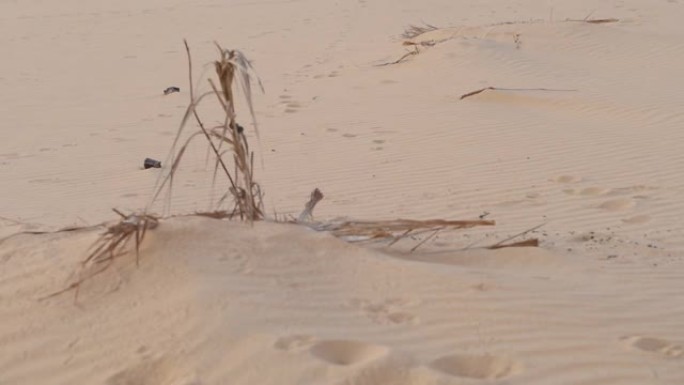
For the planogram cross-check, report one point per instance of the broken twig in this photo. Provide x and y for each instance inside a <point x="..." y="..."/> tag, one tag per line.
<point x="534" y="242"/>
<point x="415" y="51"/>
<point x="499" y="244"/>
<point x="307" y="213"/>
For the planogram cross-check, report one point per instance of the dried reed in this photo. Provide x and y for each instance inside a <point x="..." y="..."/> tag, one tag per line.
<point x="481" y="90"/>
<point x="393" y="228"/>
<point x="232" y="67"/>
<point x="232" y="70"/>
<point x="415" y="30"/>
<point x="111" y="245"/>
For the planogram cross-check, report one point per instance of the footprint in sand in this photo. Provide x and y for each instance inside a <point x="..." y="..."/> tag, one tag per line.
<point x="618" y="204"/>
<point x="294" y="342"/>
<point x="589" y="191"/>
<point x="637" y="219"/>
<point x="654" y="345"/>
<point x="481" y="367"/>
<point x="567" y="179"/>
<point x="388" y="81"/>
<point x="595" y="191"/>
<point x="387" y="312"/>
<point x="347" y="352"/>
<point x="292" y="107"/>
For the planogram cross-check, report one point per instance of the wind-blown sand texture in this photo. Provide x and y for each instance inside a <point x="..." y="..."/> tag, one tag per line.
<point x="217" y="302"/>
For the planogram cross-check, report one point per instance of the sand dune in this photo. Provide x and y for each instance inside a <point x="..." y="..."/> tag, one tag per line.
<point x="598" y="162"/>
<point x="219" y="302"/>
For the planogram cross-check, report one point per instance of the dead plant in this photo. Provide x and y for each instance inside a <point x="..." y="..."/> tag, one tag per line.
<point x="405" y="57"/>
<point x="111" y="245"/>
<point x="415" y="30"/>
<point x="232" y="70"/>
<point x="393" y="229"/>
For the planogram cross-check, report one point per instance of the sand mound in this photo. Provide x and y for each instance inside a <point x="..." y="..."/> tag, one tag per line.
<point x="222" y="302"/>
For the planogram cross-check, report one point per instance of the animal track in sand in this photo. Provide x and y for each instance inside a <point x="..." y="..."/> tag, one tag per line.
<point x="332" y="74"/>
<point x="637" y="219"/>
<point x="654" y="345"/>
<point x="294" y="342"/>
<point x="388" y="81"/>
<point x="387" y="312"/>
<point x="482" y="367"/>
<point x="378" y="145"/>
<point x="618" y="204"/>
<point x="292" y="107"/>
<point x="347" y="352"/>
<point x="567" y="179"/>
<point x="589" y="191"/>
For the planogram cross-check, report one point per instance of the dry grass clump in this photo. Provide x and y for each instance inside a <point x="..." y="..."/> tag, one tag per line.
<point x="111" y="245"/>
<point x="233" y="69"/>
<point x="416" y="30"/>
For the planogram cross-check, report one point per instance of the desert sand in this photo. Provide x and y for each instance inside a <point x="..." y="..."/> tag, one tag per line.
<point x="595" y="158"/>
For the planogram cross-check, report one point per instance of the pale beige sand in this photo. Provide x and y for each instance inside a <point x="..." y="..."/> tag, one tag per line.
<point x="222" y="303"/>
<point x="214" y="302"/>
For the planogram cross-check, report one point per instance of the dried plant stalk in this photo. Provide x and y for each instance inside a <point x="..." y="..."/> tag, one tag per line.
<point x="111" y="245"/>
<point x="232" y="70"/>
<point x="383" y="229"/>
<point x="414" y="30"/>
<point x="534" y="242"/>
<point x="481" y="90"/>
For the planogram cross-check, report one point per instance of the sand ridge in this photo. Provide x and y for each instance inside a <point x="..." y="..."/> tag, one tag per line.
<point x="222" y="302"/>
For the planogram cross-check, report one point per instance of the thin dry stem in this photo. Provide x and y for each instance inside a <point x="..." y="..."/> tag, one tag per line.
<point x="473" y="93"/>
<point x="414" y="30"/>
<point x="111" y="245"/>
<point x="231" y="67"/>
<point x="405" y="57"/>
